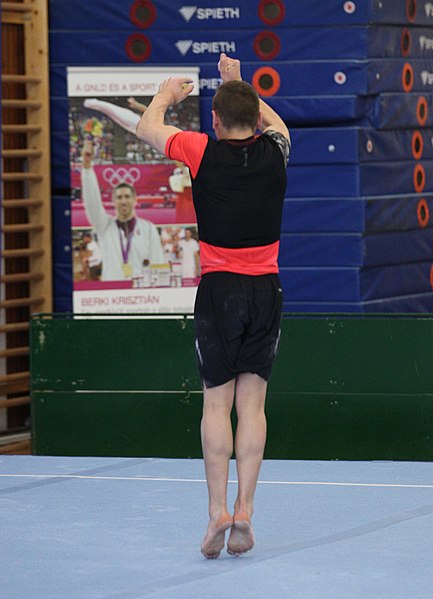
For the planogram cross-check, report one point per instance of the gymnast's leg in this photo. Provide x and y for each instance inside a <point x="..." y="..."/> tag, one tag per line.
<point x="249" y="448"/>
<point x="217" y="444"/>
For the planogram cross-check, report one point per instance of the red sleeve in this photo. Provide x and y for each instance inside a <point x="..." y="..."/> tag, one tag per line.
<point x="187" y="147"/>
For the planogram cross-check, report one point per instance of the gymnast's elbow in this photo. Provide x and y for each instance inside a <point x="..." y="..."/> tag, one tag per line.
<point x="144" y="129"/>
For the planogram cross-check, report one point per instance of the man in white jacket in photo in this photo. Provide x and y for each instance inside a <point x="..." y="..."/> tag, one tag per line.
<point x="128" y="243"/>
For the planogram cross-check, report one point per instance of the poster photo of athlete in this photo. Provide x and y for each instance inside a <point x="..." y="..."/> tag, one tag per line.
<point x="125" y="192"/>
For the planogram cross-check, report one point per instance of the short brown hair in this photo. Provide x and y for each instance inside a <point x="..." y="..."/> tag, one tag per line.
<point x="237" y="104"/>
<point x="127" y="185"/>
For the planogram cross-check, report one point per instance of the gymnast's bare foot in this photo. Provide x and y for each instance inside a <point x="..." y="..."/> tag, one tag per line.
<point x="214" y="539"/>
<point x="241" y="537"/>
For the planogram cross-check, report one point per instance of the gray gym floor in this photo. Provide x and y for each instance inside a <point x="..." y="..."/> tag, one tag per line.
<point x="125" y="528"/>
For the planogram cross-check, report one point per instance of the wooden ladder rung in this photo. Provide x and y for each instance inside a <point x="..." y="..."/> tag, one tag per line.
<point x="14" y="352"/>
<point x="16" y="401"/>
<point x="21" y="128"/>
<point x="22" y="301"/>
<point x="22" y="203"/>
<point x="9" y="78"/>
<point x="22" y="228"/>
<point x="21" y="153"/>
<point x="14" y="327"/>
<point x="16" y="7"/>
<point x="21" y="176"/>
<point x="22" y="253"/>
<point x="21" y="104"/>
<point x="22" y="277"/>
<point x="5" y="379"/>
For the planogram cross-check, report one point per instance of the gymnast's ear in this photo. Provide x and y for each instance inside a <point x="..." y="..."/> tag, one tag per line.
<point x="215" y="119"/>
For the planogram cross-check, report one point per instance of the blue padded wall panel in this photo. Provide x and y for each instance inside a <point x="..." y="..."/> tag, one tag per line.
<point x="320" y="284"/>
<point x="401" y="111"/>
<point x="343" y="249"/>
<point x="347" y="180"/>
<point x="343" y="284"/>
<point x="61" y="215"/>
<point x="353" y="145"/>
<point x="337" y="77"/>
<point x="58" y="85"/>
<point x="391" y="281"/>
<point x="62" y="292"/>
<point x="390" y="146"/>
<point x="422" y="302"/>
<point x="60" y="176"/>
<point x="398" y="213"/>
<point x="358" y="215"/>
<point x="327" y="215"/>
<point x="294" y="43"/>
<point x="213" y="14"/>
<point x="323" y="307"/>
<point x="59" y="153"/>
<point x="398" y="247"/>
<point x="62" y="250"/>
<point x="323" y="180"/>
<point x="59" y="114"/>
<point x="298" y="78"/>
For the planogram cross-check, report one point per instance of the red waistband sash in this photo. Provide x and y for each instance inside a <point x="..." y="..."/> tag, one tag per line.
<point x="261" y="260"/>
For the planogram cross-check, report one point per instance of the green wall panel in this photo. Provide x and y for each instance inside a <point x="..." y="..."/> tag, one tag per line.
<point x="349" y="427"/>
<point x="108" y="354"/>
<point x="343" y="387"/>
<point x="117" y="424"/>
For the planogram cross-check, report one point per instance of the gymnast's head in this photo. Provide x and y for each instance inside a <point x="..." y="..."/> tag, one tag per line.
<point x="235" y="107"/>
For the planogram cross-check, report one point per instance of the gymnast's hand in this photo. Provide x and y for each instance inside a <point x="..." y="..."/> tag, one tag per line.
<point x="229" y="68"/>
<point x="175" y="89"/>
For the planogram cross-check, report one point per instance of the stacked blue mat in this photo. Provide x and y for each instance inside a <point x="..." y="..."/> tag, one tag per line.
<point x="354" y="82"/>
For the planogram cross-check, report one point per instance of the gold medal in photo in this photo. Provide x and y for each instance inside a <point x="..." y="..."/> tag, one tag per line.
<point x="127" y="270"/>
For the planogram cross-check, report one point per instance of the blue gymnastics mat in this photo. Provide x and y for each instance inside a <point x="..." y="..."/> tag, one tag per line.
<point x="384" y="111"/>
<point x="338" y="145"/>
<point x="285" y="78"/>
<point x="337" y="77"/>
<point x="351" y="249"/>
<point x="292" y="43"/>
<point x="212" y="14"/>
<point x="357" y="215"/>
<point x="350" y="180"/>
<point x="354" y="284"/>
<point x="113" y="528"/>
<point x="418" y="303"/>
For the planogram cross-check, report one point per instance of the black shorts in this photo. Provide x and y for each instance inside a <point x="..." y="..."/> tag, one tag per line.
<point x="237" y="321"/>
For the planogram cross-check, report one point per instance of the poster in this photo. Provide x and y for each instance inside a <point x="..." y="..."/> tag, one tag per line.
<point x="134" y="232"/>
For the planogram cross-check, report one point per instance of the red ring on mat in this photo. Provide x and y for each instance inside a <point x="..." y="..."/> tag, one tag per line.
<point x="270" y="38"/>
<point x="140" y="6"/>
<point x="419" y="178"/>
<point x="431" y="276"/>
<point x="417" y="145"/>
<point x="277" y="9"/>
<point x="422" y="111"/>
<point x="423" y="213"/>
<point x="405" y="42"/>
<point x="407" y="77"/>
<point x="266" y="81"/>
<point x="138" y="47"/>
